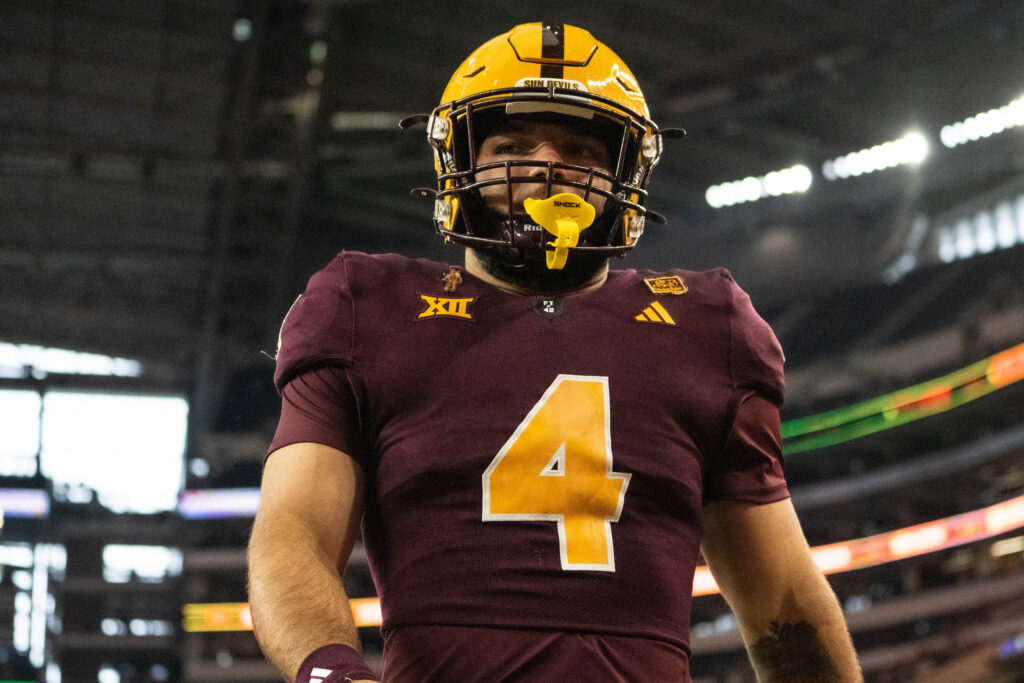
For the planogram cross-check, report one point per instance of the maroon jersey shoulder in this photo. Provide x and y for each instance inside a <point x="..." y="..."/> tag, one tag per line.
<point x="320" y="327"/>
<point x="702" y="289"/>
<point x="757" y="355"/>
<point x="756" y="358"/>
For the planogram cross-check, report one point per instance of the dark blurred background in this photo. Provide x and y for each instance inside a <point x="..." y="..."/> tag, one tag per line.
<point x="173" y="171"/>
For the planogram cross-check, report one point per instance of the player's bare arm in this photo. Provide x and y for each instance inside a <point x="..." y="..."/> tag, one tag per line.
<point x="298" y="551"/>
<point x="789" y="617"/>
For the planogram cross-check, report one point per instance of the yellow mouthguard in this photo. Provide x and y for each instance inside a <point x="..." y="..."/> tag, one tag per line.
<point x="564" y="215"/>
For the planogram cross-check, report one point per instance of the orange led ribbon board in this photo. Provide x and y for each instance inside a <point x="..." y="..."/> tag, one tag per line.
<point x="833" y="558"/>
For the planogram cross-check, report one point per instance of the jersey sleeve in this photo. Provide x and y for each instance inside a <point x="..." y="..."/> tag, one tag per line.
<point x="757" y="359"/>
<point x="749" y="468"/>
<point x="320" y="406"/>
<point x="319" y="328"/>
<point x="314" y="352"/>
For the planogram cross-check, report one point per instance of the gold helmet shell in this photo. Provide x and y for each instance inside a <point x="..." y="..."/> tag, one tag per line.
<point x="542" y="55"/>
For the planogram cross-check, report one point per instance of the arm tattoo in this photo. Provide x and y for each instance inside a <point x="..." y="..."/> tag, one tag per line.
<point x="793" y="653"/>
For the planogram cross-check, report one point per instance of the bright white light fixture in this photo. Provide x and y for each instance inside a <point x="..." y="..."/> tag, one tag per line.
<point x="151" y="627"/>
<point x="41" y="360"/>
<point x="1008" y="546"/>
<point x="128" y="449"/>
<point x="20" y="442"/>
<point x="22" y="621"/>
<point x="997" y="227"/>
<point x="108" y="674"/>
<point x="242" y="30"/>
<point x="912" y="148"/>
<point x="199" y="467"/>
<point x="22" y="580"/>
<point x="16" y="555"/>
<point x="786" y="181"/>
<point x="150" y="563"/>
<point x="1006" y="227"/>
<point x="984" y="125"/>
<point x="113" y="627"/>
<point x="318" y="52"/>
<point x="37" y="624"/>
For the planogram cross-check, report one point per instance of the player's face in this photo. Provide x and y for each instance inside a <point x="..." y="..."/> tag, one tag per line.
<point x="541" y="142"/>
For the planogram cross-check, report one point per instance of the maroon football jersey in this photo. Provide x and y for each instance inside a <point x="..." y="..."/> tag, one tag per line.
<point x="535" y="464"/>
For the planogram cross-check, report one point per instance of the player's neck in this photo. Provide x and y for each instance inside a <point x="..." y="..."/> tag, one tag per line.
<point x="523" y="282"/>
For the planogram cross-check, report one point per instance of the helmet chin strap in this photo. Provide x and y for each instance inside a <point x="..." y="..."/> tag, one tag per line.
<point x="580" y="271"/>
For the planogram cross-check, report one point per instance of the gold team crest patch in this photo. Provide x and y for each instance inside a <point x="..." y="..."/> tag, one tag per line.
<point x="440" y="306"/>
<point x="667" y="284"/>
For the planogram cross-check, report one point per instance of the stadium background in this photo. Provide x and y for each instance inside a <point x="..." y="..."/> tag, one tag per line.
<point x="172" y="171"/>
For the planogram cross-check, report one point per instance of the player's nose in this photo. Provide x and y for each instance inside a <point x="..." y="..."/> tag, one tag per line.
<point x="549" y="153"/>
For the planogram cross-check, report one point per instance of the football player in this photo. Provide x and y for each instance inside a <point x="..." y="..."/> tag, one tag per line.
<point x="537" y="448"/>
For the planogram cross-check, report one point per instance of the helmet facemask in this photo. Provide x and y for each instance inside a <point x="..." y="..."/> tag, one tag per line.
<point x="462" y="214"/>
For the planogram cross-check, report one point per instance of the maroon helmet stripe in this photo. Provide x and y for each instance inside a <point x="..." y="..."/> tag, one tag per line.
<point x="552" y="47"/>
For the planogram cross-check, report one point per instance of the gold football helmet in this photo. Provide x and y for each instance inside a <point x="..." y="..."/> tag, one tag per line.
<point x="558" y="73"/>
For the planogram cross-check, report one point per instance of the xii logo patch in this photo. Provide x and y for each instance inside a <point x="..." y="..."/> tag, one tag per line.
<point x="445" y="307"/>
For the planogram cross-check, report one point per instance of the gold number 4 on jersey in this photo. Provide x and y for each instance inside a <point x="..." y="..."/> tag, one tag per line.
<point x="557" y="466"/>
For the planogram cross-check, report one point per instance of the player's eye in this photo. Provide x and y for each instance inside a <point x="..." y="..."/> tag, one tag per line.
<point x="588" y="149"/>
<point x="510" y="148"/>
<point x="587" y="152"/>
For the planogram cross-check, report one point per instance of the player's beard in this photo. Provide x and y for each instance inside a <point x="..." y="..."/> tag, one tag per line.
<point x="580" y="269"/>
<point x="526" y="267"/>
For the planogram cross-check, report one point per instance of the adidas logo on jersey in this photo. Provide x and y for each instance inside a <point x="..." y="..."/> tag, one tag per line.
<point x="655" y="313"/>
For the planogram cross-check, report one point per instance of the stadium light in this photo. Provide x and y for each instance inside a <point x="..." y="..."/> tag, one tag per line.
<point x="777" y="183"/>
<point x="984" y="124"/>
<point x="912" y="148"/>
<point x="995" y="227"/>
<point x="15" y="359"/>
